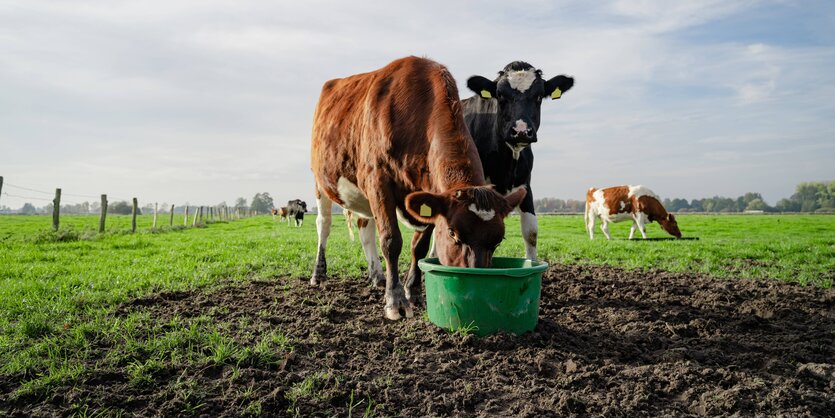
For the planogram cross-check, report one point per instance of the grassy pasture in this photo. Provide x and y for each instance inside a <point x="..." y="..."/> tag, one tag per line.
<point x="58" y="290"/>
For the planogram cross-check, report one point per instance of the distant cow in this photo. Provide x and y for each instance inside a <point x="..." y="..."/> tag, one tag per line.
<point x="620" y="203"/>
<point x="281" y="212"/>
<point x="295" y="211"/>
<point x="392" y="144"/>
<point x="503" y="119"/>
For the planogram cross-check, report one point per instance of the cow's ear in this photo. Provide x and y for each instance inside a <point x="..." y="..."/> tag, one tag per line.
<point x="425" y="206"/>
<point x="558" y="85"/>
<point x="670" y="217"/>
<point x="482" y="86"/>
<point x="515" y="199"/>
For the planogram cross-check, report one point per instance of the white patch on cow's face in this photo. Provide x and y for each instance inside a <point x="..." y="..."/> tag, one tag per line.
<point x="353" y="198"/>
<point x="638" y="191"/>
<point x="517" y="149"/>
<point x="521" y="80"/>
<point x="485" y="215"/>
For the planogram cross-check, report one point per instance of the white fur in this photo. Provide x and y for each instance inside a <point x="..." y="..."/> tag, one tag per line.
<point x="521" y="80"/>
<point x="353" y="198"/>
<point x="516" y="149"/>
<point x="530" y="228"/>
<point x="485" y="215"/>
<point x="640" y="190"/>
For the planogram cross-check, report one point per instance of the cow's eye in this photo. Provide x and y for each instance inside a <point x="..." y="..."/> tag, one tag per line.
<point x="453" y="236"/>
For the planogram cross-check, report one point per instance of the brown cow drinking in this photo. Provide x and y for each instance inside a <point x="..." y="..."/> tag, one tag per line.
<point x="392" y="144"/>
<point x="620" y="203"/>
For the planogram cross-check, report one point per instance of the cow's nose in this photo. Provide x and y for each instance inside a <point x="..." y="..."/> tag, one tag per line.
<point x="522" y="129"/>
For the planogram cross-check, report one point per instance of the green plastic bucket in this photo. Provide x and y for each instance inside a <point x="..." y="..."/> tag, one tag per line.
<point x="484" y="301"/>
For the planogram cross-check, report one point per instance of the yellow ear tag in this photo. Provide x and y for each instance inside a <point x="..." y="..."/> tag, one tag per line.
<point x="486" y="94"/>
<point x="425" y="210"/>
<point x="556" y="94"/>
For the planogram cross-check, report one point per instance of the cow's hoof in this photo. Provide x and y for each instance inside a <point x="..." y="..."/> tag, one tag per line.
<point x="393" y="314"/>
<point x="315" y="281"/>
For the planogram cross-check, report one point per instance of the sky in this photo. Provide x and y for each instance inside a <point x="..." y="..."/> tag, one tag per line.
<point x="207" y="101"/>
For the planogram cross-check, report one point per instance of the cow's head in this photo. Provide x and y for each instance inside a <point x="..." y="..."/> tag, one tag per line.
<point x="469" y="222"/>
<point x="670" y="225"/>
<point x="519" y="90"/>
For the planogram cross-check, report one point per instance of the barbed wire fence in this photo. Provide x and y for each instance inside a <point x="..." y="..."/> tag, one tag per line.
<point x="201" y="214"/>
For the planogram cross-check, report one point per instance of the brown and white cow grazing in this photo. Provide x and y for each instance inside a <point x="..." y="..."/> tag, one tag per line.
<point x="392" y="144"/>
<point x="619" y="203"/>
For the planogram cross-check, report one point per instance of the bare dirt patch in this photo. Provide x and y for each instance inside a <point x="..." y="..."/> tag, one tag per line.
<point x="609" y="342"/>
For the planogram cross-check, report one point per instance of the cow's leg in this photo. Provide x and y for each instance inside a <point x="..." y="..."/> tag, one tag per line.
<point x="641" y="221"/>
<point x="368" y="239"/>
<point x="604" y="226"/>
<point x="590" y="225"/>
<point x="391" y="243"/>
<point x="420" y="246"/>
<point x="323" y="229"/>
<point x="349" y="220"/>
<point x="530" y="226"/>
<point x="632" y="230"/>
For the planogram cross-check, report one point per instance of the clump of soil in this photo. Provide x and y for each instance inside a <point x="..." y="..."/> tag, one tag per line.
<point x="609" y="342"/>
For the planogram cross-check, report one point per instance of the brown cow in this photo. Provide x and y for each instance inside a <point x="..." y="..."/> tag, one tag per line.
<point x="392" y="144"/>
<point x="619" y="203"/>
<point x="281" y="212"/>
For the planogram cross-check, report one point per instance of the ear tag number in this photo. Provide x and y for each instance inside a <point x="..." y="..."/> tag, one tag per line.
<point x="486" y="94"/>
<point x="425" y="210"/>
<point x="556" y="94"/>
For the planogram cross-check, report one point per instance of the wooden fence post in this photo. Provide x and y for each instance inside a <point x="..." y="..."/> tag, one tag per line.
<point x="133" y="215"/>
<point x="185" y="217"/>
<point x="103" y="213"/>
<point x="155" y="216"/>
<point x="171" y="222"/>
<point x="56" y="209"/>
<point x="194" y="220"/>
<point x="1" y="185"/>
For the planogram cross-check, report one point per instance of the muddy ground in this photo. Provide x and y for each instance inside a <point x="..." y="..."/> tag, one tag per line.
<point x="609" y="342"/>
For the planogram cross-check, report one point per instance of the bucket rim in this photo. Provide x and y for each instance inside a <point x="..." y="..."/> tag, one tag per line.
<point x="433" y="264"/>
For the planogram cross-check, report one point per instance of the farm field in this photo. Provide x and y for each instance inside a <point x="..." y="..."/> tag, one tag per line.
<point x="219" y="320"/>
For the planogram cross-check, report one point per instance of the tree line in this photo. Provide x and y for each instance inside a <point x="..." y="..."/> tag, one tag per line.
<point x="810" y="197"/>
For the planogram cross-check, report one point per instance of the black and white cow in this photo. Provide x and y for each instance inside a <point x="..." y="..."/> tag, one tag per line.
<point x="295" y="211"/>
<point x="503" y="119"/>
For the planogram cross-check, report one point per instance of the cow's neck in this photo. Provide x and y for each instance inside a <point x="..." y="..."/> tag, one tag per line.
<point x="454" y="163"/>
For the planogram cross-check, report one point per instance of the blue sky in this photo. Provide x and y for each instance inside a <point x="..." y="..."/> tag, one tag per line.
<point x="207" y="101"/>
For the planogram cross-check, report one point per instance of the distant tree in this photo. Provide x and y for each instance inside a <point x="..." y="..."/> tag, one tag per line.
<point x="262" y="202"/>
<point x="28" y="209"/>
<point x="756" y="204"/>
<point x="122" y="208"/>
<point x="240" y="203"/>
<point x="676" y="205"/>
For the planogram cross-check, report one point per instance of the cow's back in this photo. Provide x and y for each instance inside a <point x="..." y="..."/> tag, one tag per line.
<point x="390" y="123"/>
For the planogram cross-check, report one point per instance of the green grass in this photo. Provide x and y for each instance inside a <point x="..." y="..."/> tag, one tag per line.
<point x="58" y="289"/>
